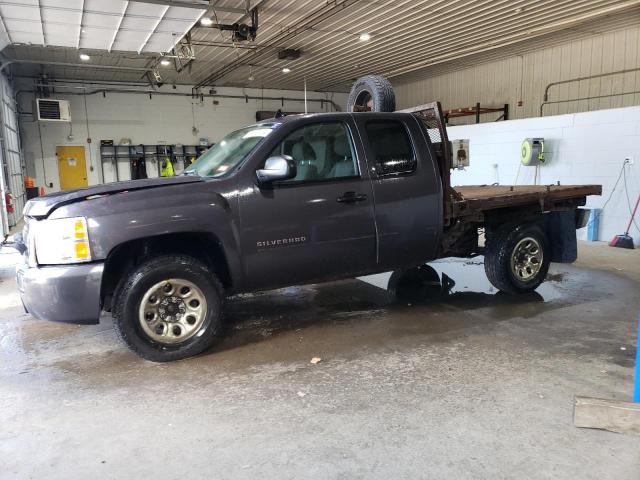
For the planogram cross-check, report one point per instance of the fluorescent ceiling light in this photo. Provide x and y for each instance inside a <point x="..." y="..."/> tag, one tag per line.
<point x="84" y="57"/>
<point x="365" y="37"/>
<point x="286" y="70"/>
<point x="165" y="62"/>
<point x="206" y="21"/>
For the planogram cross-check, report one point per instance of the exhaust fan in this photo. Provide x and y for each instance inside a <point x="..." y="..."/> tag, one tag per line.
<point x="49" y="110"/>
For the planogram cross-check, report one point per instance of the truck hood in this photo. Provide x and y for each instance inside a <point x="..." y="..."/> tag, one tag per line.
<point x="41" y="207"/>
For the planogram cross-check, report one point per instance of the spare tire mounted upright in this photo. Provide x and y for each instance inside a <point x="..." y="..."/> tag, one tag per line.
<point x="371" y="93"/>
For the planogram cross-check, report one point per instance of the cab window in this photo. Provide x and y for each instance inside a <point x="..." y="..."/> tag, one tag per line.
<point x="391" y="148"/>
<point x="321" y="152"/>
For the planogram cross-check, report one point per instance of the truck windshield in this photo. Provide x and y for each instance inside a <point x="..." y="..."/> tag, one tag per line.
<point x="230" y="151"/>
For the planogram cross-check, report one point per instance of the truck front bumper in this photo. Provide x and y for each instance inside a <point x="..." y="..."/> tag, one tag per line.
<point x="65" y="293"/>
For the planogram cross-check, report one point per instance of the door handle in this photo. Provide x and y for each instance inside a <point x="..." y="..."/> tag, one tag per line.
<point x="351" y="197"/>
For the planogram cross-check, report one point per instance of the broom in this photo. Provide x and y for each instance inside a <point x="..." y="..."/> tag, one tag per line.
<point x="625" y="240"/>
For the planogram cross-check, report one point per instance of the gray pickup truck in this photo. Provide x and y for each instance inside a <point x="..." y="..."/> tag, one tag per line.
<point x="293" y="200"/>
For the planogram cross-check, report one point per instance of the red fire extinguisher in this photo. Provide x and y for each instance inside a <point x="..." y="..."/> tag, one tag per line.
<point x="8" y="199"/>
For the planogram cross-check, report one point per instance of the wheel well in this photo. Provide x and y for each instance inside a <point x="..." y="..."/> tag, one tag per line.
<point x="203" y="246"/>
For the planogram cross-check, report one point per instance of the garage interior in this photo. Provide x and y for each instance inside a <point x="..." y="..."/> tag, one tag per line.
<point x="349" y="378"/>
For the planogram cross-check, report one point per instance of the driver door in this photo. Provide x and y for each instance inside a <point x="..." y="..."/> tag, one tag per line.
<point x="318" y="225"/>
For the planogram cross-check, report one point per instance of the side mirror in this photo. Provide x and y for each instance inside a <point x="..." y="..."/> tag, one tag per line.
<point x="280" y="167"/>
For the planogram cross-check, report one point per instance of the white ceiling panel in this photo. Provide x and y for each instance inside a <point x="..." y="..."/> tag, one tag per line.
<point x="100" y="21"/>
<point x="70" y="17"/>
<point x="160" y="42"/>
<point x="29" y="12"/>
<point x="28" y="38"/>
<point x="67" y="4"/>
<point x="105" y="6"/>
<point x="106" y="24"/>
<point x="96" y="38"/>
<point x="128" y="41"/>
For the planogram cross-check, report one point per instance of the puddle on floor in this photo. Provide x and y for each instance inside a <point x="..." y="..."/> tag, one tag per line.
<point x="431" y="301"/>
<point x="448" y="277"/>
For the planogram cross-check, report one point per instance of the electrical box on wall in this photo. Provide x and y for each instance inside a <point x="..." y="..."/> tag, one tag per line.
<point x="50" y="110"/>
<point x="460" y="153"/>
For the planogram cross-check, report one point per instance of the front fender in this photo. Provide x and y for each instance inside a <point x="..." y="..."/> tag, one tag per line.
<point x="116" y="219"/>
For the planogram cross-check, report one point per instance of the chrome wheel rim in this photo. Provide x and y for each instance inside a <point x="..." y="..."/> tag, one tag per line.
<point x="172" y="311"/>
<point x="526" y="260"/>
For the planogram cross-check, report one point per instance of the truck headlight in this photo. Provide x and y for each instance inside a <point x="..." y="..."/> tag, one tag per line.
<point x="65" y="240"/>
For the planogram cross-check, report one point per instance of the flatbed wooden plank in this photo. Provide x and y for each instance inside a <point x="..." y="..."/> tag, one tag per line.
<point x="486" y="197"/>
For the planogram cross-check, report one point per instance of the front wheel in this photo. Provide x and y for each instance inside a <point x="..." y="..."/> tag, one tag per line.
<point x="168" y="308"/>
<point x="517" y="258"/>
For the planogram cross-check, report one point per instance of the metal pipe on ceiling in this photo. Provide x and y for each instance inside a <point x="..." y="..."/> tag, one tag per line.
<point x="335" y="106"/>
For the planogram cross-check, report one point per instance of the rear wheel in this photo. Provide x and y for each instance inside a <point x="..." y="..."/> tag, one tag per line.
<point x="517" y="258"/>
<point x="168" y="308"/>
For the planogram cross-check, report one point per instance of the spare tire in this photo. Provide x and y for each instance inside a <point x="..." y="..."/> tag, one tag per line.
<point x="371" y="93"/>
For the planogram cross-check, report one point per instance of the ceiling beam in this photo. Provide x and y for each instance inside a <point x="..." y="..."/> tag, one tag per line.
<point x="80" y="65"/>
<point x="81" y="20"/>
<point x="197" y="5"/>
<point x="124" y="12"/>
<point x="44" y="38"/>
<point x="4" y="30"/>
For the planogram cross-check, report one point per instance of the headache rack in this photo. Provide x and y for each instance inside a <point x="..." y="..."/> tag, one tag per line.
<point x="430" y="114"/>
<point x="469" y="203"/>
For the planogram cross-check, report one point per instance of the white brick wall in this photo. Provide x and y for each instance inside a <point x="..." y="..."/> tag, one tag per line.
<point x="581" y="148"/>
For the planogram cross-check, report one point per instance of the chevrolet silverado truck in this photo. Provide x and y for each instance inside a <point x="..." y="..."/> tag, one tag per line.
<point x="293" y="200"/>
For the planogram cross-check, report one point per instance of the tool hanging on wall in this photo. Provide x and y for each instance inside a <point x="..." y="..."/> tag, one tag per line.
<point x="167" y="168"/>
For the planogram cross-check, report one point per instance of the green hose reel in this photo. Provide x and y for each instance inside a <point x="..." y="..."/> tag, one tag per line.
<point x="532" y="152"/>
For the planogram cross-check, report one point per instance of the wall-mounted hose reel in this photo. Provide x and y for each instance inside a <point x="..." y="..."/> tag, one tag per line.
<point x="532" y="152"/>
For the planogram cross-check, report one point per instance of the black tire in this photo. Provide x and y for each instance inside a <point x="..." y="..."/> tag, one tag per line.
<point x="130" y="292"/>
<point x="501" y="249"/>
<point x="372" y="87"/>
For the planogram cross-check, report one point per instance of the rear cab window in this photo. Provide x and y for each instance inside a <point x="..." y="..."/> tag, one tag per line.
<point x="391" y="148"/>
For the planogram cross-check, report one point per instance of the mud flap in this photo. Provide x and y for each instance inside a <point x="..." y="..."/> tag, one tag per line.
<point x="560" y="228"/>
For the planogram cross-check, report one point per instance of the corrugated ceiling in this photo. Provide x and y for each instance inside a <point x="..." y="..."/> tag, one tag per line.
<point x="407" y="37"/>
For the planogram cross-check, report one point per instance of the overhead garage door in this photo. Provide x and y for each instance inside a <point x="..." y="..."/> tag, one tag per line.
<point x="10" y="155"/>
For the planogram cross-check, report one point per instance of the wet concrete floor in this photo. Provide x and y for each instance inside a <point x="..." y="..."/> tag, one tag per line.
<point x="455" y="380"/>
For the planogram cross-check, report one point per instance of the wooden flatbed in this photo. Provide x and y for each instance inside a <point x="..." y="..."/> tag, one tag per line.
<point x="475" y="198"/>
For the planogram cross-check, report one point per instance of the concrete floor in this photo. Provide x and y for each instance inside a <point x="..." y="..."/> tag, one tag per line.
<point x="472" y="384"/>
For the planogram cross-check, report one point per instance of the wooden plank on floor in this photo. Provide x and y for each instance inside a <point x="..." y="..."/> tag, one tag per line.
<point x="612" y="415"/>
